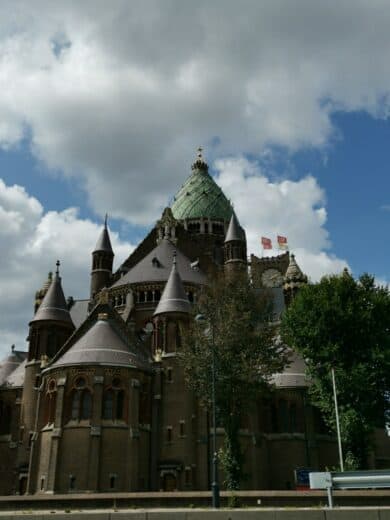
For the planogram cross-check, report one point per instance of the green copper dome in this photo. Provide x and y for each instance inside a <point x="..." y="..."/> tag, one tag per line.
<point x="200" y="196"/>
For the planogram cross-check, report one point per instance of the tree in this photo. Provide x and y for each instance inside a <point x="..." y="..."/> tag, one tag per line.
<point x="344" y="323"/>
<point x="239" y="329"/>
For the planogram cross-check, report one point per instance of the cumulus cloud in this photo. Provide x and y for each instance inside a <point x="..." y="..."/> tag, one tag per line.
<point x="31" y="240"/>
<point x="120" y="95"/>
<point x="295" y="209"/>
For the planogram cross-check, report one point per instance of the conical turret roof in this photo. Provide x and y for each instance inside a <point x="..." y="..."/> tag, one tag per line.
<point x="53" y="306"/>
<point x="234" y="231"/>
<point x="173" y="298"/>
<point x="104" y="242"/>
<point x="294" y="273"/>
<point x="200" y="196"/>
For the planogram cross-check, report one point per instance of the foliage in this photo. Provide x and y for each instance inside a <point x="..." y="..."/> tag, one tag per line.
<point x="344" y="323"/>
<point x="237" y="327"/>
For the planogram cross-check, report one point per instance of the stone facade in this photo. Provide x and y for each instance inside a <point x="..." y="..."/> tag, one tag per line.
<point x="99" y="402"/>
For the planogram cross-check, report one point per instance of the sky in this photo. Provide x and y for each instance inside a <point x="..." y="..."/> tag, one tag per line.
<point x="103" y="105"/>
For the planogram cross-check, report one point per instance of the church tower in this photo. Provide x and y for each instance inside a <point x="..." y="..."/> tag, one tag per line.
<point x="234" y="247"/>
<point x="169" y="412"/>
<point x="102" y="261"/>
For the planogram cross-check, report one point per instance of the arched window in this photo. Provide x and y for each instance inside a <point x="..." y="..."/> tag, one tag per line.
<point x="113" y="402"/>
<point x="120" y="396"/>
<point x="75" y="404"/>
<point x="293" y="418"/>
<point x="80" y="401"/>
<point x="5" y="418"/>
<point x="50" y="403"/>
<point x="86" y="405"/>
<point x="283" y="416"/>
<point x="108" y="404"/>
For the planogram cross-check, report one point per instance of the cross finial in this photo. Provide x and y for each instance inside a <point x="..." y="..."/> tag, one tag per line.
<point x="58" y="268"/>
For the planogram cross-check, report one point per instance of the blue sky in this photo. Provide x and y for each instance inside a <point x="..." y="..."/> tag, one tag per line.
<point x="103" y="108"/>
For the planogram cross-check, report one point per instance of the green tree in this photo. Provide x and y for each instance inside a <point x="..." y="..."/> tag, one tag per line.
<point x="238" y="327"/>
<point x="344" y="323"/>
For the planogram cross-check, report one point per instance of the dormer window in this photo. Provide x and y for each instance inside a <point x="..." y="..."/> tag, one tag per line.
<point x="156" y="262"/>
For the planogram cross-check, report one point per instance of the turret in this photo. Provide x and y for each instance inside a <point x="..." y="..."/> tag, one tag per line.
<point x="172" y="309"/>
<point x="102" y="261"/>
<point x="235" y="247"/>
<point x="293" y="280"/>
<point x="50" y="327"/>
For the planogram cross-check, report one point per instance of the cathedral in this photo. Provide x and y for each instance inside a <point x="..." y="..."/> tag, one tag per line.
<point x="98" y="403"/>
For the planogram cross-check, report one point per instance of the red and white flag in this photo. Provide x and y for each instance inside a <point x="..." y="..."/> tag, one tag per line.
<point x="282" y="242"/>
<point x="266" y="243"/>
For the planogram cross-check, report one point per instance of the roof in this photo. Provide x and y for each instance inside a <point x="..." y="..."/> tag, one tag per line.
<point x="234" y="231"/>
<point x="104" y="242"/>
<point x="156" y="267"/>
<point x="53" y="306"/>
<point x="294" y="273"/>
<point x="79" y="312"/>
<point x="102" y="344"/>
<point x="10" y="363"/>
<point x="173" y="298"/>
<point x="200" y="196"/>
<point x="294" y="375"/>
<point x="16" y="378"/>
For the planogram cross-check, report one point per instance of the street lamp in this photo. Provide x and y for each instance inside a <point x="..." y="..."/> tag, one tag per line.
<point x="214" y="485"/>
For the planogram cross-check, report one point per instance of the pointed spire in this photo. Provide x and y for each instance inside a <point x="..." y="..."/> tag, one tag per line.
<point x="199" y="163"/>
<point x="234" y="231"/>
<point x="173" y="298"/>
<point x="294" y="273"/>
<point x="53" y="306"/>
<point x="104" y="242"/>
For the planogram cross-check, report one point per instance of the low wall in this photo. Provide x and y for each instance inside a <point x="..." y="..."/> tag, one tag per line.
<point x="42" y="502"/>
<point x="243" y="514"/>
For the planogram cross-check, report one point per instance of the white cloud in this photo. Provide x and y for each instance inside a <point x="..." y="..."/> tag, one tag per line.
<point x="295" y="209"/>
<point x="31" y="241"/>
<point x="121" y="94"/>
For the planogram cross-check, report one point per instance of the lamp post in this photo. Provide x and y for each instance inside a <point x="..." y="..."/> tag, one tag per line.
<point x="214" y="484"/>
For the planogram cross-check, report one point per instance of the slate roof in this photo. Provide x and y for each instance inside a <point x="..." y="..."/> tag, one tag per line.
<point x="234" y="231"/>
<point x="79" y="312"/>
<point x="104" y="242"/>
<point x="156" y="267"/>
<point x="16" y="378"/>
<point x="53" y="306"/>
<point x="100" y="345"/>
<point x="174" y="297"/>
<point x="294" y="375"/>
<point x="10" y="363"/>
<point x="200" y="196"/>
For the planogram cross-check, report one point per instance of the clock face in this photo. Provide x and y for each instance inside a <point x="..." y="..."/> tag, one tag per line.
<point x="272" y="278"/>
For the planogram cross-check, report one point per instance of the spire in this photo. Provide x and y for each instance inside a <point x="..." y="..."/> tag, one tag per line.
<point x="53" y="306"/>
<point x="234" y="231"/>
<point x="173" y="298"/>
<point x="294" y="275"/>
<point x="104" y="242"/>
<point x="199" y="163"/>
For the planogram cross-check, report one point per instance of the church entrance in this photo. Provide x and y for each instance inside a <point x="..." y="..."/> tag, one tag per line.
<point x="22" y="484"/>
<point x="170" y="483"/>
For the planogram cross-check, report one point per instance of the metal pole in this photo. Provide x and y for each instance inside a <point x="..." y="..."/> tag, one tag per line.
<point x="337" y="421"/>
<point x="330" y="497"/>
<point x="214" y="485"/>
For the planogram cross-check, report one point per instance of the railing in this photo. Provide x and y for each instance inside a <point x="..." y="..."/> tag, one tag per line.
<point x="349" y="480"/>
